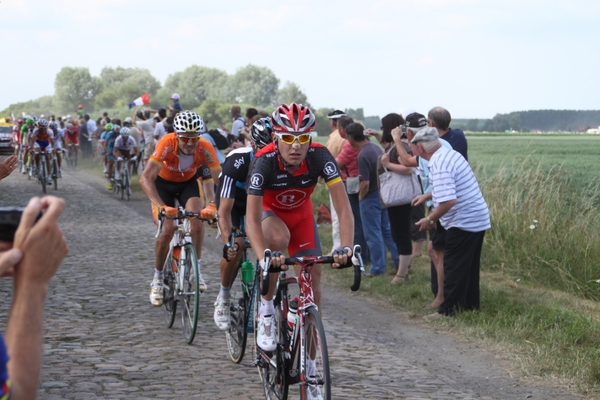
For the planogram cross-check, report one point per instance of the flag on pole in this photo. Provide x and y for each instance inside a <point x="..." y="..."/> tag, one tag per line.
<point x="140" y="101"/>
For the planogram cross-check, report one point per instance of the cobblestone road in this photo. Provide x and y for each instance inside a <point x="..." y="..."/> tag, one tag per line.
<point x="103" y="340"/>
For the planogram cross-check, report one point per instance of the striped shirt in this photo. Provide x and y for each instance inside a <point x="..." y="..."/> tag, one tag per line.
<point x="451" y="178"/>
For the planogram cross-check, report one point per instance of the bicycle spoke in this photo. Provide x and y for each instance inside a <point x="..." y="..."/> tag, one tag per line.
<point x="317" y="378"/>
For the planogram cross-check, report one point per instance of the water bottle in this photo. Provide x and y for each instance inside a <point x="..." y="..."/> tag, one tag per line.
<point x="292" y="315"/>
<point x="247" y="272"/>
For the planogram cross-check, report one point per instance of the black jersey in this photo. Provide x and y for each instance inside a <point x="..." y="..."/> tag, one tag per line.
<point x="232" y="182"/>
<point x="284" y="191"/>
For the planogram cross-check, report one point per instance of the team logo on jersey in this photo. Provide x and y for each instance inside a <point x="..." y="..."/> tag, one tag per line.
<point x="256" y="181"/>
<point x="238" y="163"/>
<point x="291" y="198"/>
<point x="329" y="169"/>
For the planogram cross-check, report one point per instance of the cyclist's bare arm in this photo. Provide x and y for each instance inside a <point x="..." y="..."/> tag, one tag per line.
<point x="224" y="214"/>
<point x="346" y="218"/>
<point x="137" y="152"/>
<point x="117" y="152"/>
<point x="215" y="172"/>
<point x="147" y="182"/>
<point x="208" y="187"/>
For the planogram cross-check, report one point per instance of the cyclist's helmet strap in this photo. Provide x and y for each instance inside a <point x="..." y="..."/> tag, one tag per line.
<point x="293" y="118"/>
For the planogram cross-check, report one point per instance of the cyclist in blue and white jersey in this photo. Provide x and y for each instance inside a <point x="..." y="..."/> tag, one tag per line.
<point x="122" y="149"/>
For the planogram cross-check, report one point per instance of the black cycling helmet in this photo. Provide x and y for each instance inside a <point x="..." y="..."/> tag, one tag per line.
<point x="260" y="132"/>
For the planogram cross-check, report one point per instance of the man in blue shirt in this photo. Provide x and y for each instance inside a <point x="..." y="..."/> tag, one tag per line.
<point x="176" y="107"/>
<point x="440" y="118"/>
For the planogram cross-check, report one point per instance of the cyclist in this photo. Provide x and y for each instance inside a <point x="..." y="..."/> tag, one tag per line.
<point x="122" y="150"/>
<point x="26" y="129"/>
<point x="59" y="136"/>
<point x="231" y="206"/>
<point x="102" y="141"/>
<point x="72" y="138"/>
<point x="172" y="174"/>
<point x="109" y="145"/>
<point x="279" y="211"/>
<point x="17" y="135"/>
<point x="42" y="139"/>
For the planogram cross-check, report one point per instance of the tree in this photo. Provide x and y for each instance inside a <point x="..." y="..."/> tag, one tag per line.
<point x="254" y="85"/>
<point x="215" y="113"/>
<point x="356" y="115"/>
<point x="124" y="85"/>
<point x="194" y="85"/>
<point x="74" y="86"/>
<point x="291" y="93"/>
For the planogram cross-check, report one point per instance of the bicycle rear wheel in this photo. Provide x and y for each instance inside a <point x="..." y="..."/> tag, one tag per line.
<point x="237" y="335"/>
<point x="272" y="372"/>
<point x="169" y="302"/>
<point x="316" y="349"/>
<point x="55" y="173"/>
<point x="42" y="172"/>
<point x="190" y="299"/>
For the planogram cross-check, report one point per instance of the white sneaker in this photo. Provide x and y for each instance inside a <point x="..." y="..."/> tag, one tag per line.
<point x="313" y="393"/>
<point x="221" y="315"/>
<point x="265" y="338"/>
<point x="201" y="283"/>
<point x="156" y="292"/>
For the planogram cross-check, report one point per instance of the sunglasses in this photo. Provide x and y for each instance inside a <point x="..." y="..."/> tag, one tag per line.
<point x="187" y="139"/>
<point x="290" y="139"/>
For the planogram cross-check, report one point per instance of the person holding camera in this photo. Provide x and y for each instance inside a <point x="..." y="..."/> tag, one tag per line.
<point x="31" y="258"/>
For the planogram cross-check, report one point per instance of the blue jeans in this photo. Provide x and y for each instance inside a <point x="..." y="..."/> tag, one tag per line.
<point x="359" y="235"/>
<point x="377" y="233"/>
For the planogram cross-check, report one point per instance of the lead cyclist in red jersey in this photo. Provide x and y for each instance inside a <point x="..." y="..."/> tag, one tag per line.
<point x="279" y="211"/>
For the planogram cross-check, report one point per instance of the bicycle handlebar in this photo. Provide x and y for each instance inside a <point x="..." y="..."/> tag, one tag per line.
<point x="356" y="262"/>
<point x="181" y="213"/>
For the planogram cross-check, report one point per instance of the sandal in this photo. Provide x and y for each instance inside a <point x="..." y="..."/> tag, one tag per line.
<point x="399" y="278"/>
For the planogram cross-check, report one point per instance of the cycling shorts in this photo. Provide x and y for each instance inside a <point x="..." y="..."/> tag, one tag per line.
<point x="73" y="139"/>
<point x="169" y="191"/>
<point x="304" y="236"/>
<point x="44" y="145"/>
<point x="110" y="157"/>
<point x="125" y="153"/>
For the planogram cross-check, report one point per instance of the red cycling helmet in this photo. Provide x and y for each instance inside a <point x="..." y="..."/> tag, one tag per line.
<point x="293" y="118"/>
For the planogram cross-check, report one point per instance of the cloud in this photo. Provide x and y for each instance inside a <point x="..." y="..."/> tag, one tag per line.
<point x="425" y="61"/>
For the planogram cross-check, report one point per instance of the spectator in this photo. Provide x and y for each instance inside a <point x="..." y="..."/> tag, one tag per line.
<point x="414" y="123"/>
<point x="159" y="119"/>
<point x="176" y="107"/>
<point x="84" y="137"/>
<point x="80" y="111"/>
<point x="377" y="231"/>
<point x="334" y="145"/>
<point x="238" y="124"/>
<point x="105" y="118"/>
<point x="32" y="259"/>
<point x="461" y="209"/>
<point x="250" y="113"/>
<point x="399" y="216"/>
<point x="440" y="118"/>
<point x="347" y="162"/>
<point x="141" y="119"/>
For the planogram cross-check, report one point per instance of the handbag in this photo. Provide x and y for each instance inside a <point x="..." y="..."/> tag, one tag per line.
<point x="397" y="189"/>
<point x="352" y="185"/>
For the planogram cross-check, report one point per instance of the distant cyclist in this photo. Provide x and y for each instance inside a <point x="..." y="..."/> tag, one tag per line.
<point x="171" y="174"/>
<point x="59" y="136"/>
<point x="122" y="151"/>
<point x="26" y="129"/>
<point x="72" y="137"/>
<point x="279" y="211"/>
<point x="42" y="139"/>
<point x="231" y="206"/>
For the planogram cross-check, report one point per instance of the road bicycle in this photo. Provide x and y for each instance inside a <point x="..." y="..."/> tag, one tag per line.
<point x="243" y="291"/>
<point x="299" y="330"/>
<point x="181" y="273"/>
<point x="40" y="169"/>
<point x="54" y="171"/>
<point x="123" y="184"/>
<point x="72" y="156"/>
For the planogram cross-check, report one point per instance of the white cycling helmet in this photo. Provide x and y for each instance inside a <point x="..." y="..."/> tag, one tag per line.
<point x="188" y="121"/>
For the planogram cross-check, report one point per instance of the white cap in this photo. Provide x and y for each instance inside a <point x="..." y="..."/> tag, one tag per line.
<point x="174" y="96"/>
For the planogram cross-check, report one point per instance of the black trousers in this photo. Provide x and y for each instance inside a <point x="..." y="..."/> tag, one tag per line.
<point x="462" y="256"/>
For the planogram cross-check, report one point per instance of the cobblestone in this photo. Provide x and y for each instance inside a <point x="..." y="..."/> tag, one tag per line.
<point x="103" y="340"/>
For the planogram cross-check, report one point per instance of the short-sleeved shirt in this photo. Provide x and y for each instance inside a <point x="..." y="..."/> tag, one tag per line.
<point x="146" y="128"/>
<point x="284" y="191"/>
<point x="43" y="136"/>
<point x="235" y="170"/>
<point x="166" y="154"/>
<point x="458" y="141"/>
<point x="367" y="165"/>
<point x="159" y="130"/>
<point x="237" y="124"/>
<point x="334" y="143"/>
<point x="122" y="144"/>
<point x="177" y="106"/>
<point x="349" y="157"/>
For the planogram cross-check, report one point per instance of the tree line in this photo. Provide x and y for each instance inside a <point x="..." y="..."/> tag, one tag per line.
<point x="533" y="120"/>
<point x="209" y="91"/>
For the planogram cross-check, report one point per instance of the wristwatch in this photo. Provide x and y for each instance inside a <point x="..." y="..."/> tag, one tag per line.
<point x="431" y="222"/>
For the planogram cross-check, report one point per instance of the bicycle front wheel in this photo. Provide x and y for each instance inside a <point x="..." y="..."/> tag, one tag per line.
<point x="190" y="297"/>
<point x="169" y="302"/>
<point x="237" y="335"/>
<point x="126" y="186"/>
<point x="43" y="173"/>
<point x="315" y="379"/>
<point x="55" y="174"/>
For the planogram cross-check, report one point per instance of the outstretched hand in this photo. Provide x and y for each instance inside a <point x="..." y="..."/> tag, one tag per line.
<point x="8" y="166"/>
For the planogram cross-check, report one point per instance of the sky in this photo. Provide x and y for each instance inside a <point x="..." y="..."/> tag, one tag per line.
<point x="475" y="58"/>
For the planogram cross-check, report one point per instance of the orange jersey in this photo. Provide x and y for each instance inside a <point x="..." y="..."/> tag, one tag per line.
<point x="166" y="153"/>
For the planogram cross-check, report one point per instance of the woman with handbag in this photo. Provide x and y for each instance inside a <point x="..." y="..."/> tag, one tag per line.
<point x="398" y="186"/>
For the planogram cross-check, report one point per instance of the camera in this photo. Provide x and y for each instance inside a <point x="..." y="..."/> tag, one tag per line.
<point x="9" y="222"/>
<point x="366" y="133"/>
<point x="10" y="217"/>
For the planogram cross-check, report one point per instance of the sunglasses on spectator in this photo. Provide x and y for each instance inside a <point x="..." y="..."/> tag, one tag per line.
<point x="188" y="139"/>
<point x="290" y="139"/>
